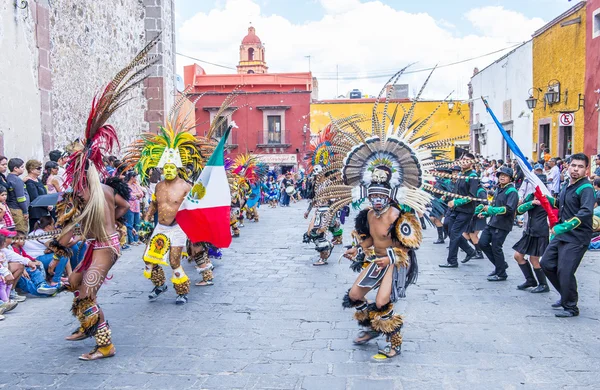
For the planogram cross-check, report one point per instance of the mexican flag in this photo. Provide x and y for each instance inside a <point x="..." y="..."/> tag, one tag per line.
<point x="204" y="214"/>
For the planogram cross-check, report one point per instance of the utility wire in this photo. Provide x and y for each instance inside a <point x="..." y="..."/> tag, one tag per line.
<point x="205" y="62"/>
<point x="374" y="76"/>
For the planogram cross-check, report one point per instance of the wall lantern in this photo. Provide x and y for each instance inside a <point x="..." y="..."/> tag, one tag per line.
<point x="552" y="95"/>
<point x="532" y="101"/>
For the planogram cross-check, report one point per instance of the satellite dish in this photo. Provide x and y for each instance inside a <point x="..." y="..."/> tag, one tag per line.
<point x="179" y="83"/>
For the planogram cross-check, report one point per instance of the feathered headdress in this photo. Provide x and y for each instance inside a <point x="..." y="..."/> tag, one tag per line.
<point x="85" y="167"/>
<point x="246" y="168"/>
<point x="389" y="156"/>
<point x="174" y="144"/>
<point x="100" y="138"/>
<point x="319" y="153"/>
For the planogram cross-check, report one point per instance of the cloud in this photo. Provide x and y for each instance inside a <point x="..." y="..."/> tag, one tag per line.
<point x="334" y="7"/>
<point x="360" y="39"/>
<point x="501" y="23"/>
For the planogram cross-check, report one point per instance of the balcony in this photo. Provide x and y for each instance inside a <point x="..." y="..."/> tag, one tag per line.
<point x="263" y="143"/>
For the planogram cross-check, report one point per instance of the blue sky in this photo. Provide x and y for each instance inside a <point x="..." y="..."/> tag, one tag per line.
<point x="301" y="11"/>
<point x="362" y="38"/>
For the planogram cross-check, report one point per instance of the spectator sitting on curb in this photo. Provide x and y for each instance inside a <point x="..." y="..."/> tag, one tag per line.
<point x="34" y="278"/>
<point x="6" y="281"/>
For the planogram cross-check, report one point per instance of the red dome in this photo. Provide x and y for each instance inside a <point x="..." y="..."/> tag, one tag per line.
<point x="251" y="38"/>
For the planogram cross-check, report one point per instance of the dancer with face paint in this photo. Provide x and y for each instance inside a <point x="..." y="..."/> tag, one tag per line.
<point x="384" y="161"/>
<point x="318" y="158"/>
<point x="173" y="150"/>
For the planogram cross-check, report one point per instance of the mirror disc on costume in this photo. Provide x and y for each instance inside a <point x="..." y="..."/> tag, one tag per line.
<point x="408" y="230"/>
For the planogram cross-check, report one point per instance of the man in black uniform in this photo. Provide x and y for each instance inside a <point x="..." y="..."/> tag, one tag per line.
<point x="571" y="236"/>
<point x="462" y="213"/>
<point x="533" y="243"/>
<point x="502" y="213"/>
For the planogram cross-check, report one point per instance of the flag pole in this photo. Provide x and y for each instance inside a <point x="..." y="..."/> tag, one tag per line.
<point x="526" y="168"/>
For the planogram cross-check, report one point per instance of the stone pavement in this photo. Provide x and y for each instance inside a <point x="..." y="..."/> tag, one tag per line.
<point x="273" y="321"/>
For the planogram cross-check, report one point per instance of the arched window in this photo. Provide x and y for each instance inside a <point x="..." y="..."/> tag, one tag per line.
<point x="250" y="54"/>
<point x="250" y="71"/>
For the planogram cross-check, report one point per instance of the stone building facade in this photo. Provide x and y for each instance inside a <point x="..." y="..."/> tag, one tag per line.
<point x="62" y="54"/>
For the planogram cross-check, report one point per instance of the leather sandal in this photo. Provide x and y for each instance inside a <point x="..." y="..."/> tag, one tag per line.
<point x="386" y="353"/>
<point x="99" y="353"/>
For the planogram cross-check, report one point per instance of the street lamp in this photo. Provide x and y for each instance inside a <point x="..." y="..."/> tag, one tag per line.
<point x="532" y="101"/>
<point x="552" y="95"/>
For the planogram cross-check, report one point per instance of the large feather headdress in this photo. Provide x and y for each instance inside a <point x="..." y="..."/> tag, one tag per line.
<point x="174" y="144"/>
<point x="100" y="137"/>
<point x="388" y="154"/>
<point x="319" y="154"/>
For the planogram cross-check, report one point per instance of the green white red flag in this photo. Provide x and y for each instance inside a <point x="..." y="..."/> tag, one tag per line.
<point x="204" y="214"/>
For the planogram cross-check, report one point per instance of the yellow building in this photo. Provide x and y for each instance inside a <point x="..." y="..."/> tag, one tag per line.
<point x="445" y="123"/>
<point x="559" y="82"/>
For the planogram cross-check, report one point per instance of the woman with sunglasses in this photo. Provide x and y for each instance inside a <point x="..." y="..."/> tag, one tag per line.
<point x="35" y="188"/>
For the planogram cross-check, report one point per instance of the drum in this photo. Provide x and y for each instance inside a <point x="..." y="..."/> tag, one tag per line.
<point x="290" y="190"/>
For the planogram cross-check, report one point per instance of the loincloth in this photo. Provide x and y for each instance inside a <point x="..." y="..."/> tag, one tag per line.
<point x="112" y="243"/>
<point x="163" y="238"/>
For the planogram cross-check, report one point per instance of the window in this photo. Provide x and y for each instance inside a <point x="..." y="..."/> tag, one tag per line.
<point x="221" y="124"/>
<point x="274" y="129"/>
<point x="250" y="54"/>
<point x="596" y="24"/>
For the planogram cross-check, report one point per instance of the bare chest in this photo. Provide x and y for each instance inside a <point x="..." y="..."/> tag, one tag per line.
<point x="170" y="196"/>
<point x="380" y="228"/>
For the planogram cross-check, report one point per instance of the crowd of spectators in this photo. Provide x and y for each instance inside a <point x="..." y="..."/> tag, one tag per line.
<point x="29" y="191"/>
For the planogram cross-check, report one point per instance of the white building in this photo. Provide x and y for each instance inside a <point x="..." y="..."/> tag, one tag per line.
<point x="505" y="84"/>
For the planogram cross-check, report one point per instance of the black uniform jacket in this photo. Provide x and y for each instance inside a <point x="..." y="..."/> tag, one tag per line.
<point x="467" y="187"/>
<point x="576" y="202"/>
<point x="508" y="198"/>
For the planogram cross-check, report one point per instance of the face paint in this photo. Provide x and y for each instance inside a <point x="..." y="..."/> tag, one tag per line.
<point x="379" y="202"/>
<point x="170" y="171"/>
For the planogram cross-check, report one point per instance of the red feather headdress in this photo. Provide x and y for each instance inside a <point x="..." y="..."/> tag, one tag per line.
<point x="100" y="138"/>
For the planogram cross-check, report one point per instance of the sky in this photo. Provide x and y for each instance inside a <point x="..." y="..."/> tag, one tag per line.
<point x="361" y="43"/>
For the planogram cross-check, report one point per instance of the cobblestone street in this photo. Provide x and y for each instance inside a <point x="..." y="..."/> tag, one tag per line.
<point x="273" y="321"/>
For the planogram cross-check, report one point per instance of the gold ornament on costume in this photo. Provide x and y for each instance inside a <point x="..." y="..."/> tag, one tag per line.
<point x="157" y="249"/>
